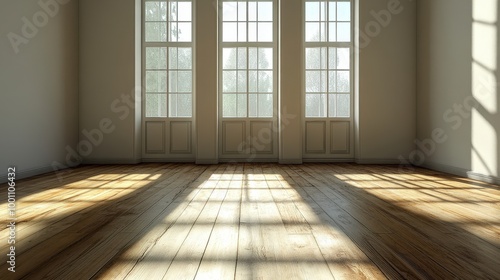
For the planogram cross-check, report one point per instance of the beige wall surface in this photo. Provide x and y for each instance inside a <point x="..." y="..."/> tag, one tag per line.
<point x="39" y="84"/>
<point x="387" y="80"/>
<point x="458" y="86"/>
<point x="108" y="71"/>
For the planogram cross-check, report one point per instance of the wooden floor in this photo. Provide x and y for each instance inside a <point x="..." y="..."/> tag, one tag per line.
<point x="254" y="221"/>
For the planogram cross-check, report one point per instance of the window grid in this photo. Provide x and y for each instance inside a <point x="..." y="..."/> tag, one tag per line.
<point x="247" y="65"/>
<point x="168" y="56"/>
<point x="327" y="60"/>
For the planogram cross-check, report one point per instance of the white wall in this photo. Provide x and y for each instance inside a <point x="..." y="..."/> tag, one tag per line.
<point x="387" y="81"/>
<point x="39" y="86"/>
<point x="109" y="75"/>
<point x="457" y="86"/>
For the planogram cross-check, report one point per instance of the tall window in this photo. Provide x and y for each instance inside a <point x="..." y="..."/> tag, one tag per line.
<point x="328" y="48"/>
<point x="248" y="59"/>
<point x="168" y="55"/>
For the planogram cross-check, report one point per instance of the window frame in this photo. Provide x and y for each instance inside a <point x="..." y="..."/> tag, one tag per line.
<point x="168" y="44"/>
<point x="246" y="44"/>
<point x="327" y="44"/>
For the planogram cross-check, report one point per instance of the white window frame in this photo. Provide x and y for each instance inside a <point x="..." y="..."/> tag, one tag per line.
<point x="246" y="44"/>
<point x="326" y="44"/>
<point x="168" y="44"/>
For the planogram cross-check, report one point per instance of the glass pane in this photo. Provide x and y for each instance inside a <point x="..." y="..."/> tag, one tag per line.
<point x="185" y="105"/>
<point x="242" y="81"/>
<point x="172" y="58"/>
<point x="312" y="32"/>
<point x="172" y="13"/>
<point x="343" y="32"/>
<point x="332" y="81"/>
<point x="343" y="11"/>
<point x="242" y="58"/>
<point x="252" y="32"/>
<point x="260" y="105"/>
<point x="156" y="58"/>
<point x="313" y="57"/>
<point x="332" y="32"/>
<point x="252" y="58"/>
<point x="184" y="13"/>
<point x="332" y="58"/>
<point x="172" y="105"/>
<point x="229" y="32"/>
<point x="229" y="81"/>
<point x="253" y="101"/>
<point x="265" y="105"/>
<point x="265" y="32"/>
<point x="312" y="11"/>
<point x="242" y="32"/>
<point x="229" y="105"/>
<point x="265" y="11"/>
<point x="265" y="81"/>
<point x="172" y="81"/>
<point x="265" y="58"/>
<point x="174" y="32"/>
<point x="252" y="81"/>
<point x="323" y="59"/>
<point x="156" y="32"/>
<point x="252" y="11"/>
<point x="242" y="11"/>
<point x="152" y="11"/>
<point x="322" y="32"/>
<point x="242" y="105"/>
<point x="332" y="105"/>
<point x="343" y="105"/>
<point x="184" y="34"/>
<point x="180" y="105"/>
<point x="322" y="12"/>
<point x="229" y="11"/>
<point x="315" y="105"/>
<point x="332" y="12"/>
<point x="343" y="58"/>
<point x="185" y="58"/>
<point x="156" y="81"/>
<point x="343" y="81"/>
<point x="156" y="105"/>
<point x="155" y="11"/>
<point x="184" y="81"/>
<point x="315" y="81"/>
<point x="323" y="84"/>
<point x="229" y="58"/>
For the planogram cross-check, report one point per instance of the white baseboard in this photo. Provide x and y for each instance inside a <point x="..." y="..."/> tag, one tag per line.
<point x="107" y="161"/>
<point x="207" y="161"/>
<point x="290" y="161"/>
<point x="461" y="172"/>
<point x="162" y="160"/>
<point x="327" y="160"/>
<point x="242" y="160"/>
<point x="484" y="178"/>
<point x="377" y="161"/>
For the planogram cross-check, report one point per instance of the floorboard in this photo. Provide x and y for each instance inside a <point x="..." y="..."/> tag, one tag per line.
<point x="253" y="221"/>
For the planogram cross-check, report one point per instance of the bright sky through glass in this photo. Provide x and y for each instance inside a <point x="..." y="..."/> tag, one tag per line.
<point x="247" y="21"/>
<point x="342" y="11"/>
